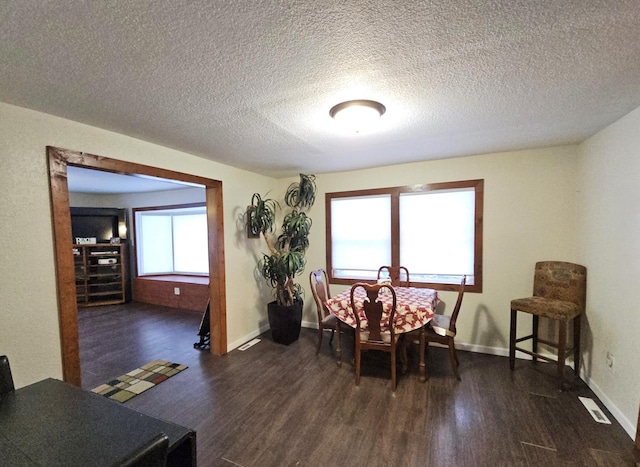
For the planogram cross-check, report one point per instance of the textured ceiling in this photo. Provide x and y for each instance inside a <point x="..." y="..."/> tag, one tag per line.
<point x="249" y="83"/>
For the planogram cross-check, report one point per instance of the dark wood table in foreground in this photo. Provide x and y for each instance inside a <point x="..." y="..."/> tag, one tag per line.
<point x="54" y="423"/>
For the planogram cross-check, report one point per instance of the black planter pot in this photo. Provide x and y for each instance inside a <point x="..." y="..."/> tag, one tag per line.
<point x="285" y="322"/>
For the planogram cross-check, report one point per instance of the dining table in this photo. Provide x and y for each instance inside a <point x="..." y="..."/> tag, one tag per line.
<point x="54" y="423"/>
<point x="415" y="307"/>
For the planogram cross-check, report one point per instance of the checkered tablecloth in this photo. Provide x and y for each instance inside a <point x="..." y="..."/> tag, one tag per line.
<point x="414" y="308"/>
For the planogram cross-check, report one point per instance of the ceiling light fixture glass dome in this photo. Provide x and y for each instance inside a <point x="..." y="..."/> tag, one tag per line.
<point x="357" y="115"/>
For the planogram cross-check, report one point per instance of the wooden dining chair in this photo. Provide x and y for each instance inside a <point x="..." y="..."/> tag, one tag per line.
<point x="399" y="275"/>
<point x="374" y="336"/>
<point x="442" y="329"/>
<point x="319" y="283"/>
<point x="6" y="379"/>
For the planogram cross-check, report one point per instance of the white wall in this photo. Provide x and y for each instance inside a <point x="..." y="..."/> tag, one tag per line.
<point x="609" y="245"/>
<point x="138" y="200"/>
<point x="29" y="331"/>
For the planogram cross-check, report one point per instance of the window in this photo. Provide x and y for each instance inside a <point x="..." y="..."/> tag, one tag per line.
<point x="433" y="230"/>
<point x="172" y="240"/>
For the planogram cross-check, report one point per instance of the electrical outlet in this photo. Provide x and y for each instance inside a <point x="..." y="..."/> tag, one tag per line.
<point x="610" y="361"/>
<point x="176" y="290"/>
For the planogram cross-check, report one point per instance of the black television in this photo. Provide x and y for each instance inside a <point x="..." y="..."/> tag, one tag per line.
<point x="99" y="223"/>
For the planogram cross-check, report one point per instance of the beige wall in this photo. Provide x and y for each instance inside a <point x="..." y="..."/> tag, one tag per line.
<point x="529" y="215"/>
<point x="609" y="245"/>
<point x="539" y="204"/>
<point x="29" y="331"/>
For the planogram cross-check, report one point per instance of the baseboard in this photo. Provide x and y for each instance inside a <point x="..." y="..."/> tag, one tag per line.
<point x="502" y="352"/>
<point x="619" y="416"/>
<point x="483" y="349"/>
<point x="252" y="335"/>
<point x="626" y="424"/>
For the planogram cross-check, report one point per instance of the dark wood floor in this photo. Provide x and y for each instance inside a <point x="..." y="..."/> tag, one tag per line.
<point x="274" y="405"/>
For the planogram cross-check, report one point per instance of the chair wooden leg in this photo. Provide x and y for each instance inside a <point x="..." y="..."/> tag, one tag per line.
<point x="534" y="333"/>
<point x="357" y="356"/>
<point x="424" y="348"/>
<point x="320" y="331"/>
<point x="393" y="368"/>
<point x="454" y="358"/>
<point x="404" y="357"/>
<point x="333" y="333"/>
<point x="576" y="346"/>
<point x="338" y="346"/>
<point x="512" y="339"/>
<point x="562" y="348"/>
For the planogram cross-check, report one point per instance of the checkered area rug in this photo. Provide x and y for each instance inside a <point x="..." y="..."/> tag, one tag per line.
<point x="139" y="380"/>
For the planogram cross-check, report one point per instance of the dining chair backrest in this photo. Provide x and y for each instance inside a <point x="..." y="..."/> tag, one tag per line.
<point x="456" y="308"/>
<point x="373" y="309"/>
<point x="559" y="280"/>
<point x="320" y="289"/>
<point x="399" y="275"/>
<point x="319" y="283"/>
<point x="6" y="379"/>
<point x="442" y="329"/>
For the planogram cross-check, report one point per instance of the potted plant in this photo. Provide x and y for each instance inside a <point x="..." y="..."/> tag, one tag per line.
<point x="286" y="257"/>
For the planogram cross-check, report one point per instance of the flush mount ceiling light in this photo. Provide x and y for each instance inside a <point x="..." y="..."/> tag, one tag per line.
<point x="357" y="115"/>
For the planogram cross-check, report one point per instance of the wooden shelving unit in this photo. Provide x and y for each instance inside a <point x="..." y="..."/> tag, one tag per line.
<point x="100" y="273"/>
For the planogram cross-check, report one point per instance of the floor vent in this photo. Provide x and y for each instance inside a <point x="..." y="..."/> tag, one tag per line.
<point x="595" y="411"/>
<point x="251" y="343"/>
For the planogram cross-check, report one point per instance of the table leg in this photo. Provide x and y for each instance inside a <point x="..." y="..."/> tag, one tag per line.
<point x="404" y="356"/>
<point x="423" y="375"/>
<point x="338" y="346"/>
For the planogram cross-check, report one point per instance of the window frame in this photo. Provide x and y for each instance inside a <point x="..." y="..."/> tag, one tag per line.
<point x="394" y="192"/>
<point x="135" y="239"/>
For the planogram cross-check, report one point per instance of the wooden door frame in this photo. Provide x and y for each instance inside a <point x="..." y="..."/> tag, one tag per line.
<point x="58" y="160"/>
<point x="638" y="433"/>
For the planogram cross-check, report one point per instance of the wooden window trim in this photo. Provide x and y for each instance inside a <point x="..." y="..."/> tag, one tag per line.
<point x="135" y="233"/>
<point x="394" y="192"/>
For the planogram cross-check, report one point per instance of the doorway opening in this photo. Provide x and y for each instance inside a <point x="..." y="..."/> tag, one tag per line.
<point x="58" y="160"/>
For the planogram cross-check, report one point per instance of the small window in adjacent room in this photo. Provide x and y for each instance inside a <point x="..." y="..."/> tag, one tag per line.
<point x="433" y="230"/>
<point x="172" y="240"/>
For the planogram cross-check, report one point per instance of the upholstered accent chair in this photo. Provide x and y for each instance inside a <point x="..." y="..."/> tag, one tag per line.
<point x="559" y="294"/>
